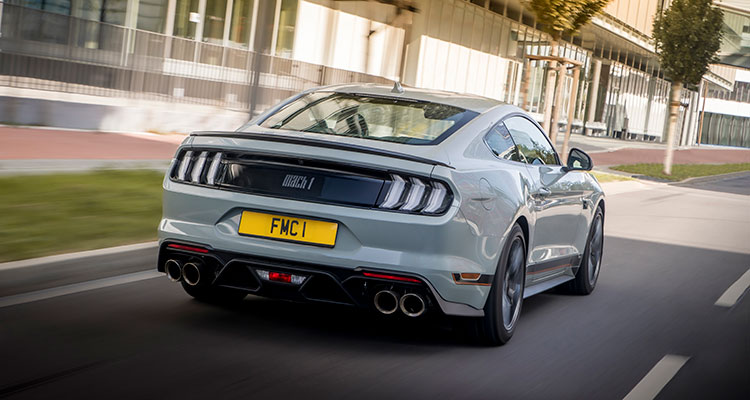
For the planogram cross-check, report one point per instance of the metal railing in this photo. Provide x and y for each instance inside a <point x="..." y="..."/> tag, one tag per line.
<point x="44" y="50"/>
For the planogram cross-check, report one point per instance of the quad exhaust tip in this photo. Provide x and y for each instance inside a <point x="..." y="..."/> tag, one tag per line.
<point x="412" y="305"/>
<point x="191" y="273"/>
<point x="386" y="302"/>
<point x="173" y="270"/>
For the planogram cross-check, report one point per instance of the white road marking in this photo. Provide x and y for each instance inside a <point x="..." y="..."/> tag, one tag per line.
<point x="77" y="288"/>
<point x="74" y="256"/>
<point x="657" y="378"/>
<point x="733" y="294"/>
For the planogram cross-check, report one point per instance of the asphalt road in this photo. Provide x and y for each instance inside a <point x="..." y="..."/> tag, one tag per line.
<point x="655" y="298"/>
<point x="738" y="183"/>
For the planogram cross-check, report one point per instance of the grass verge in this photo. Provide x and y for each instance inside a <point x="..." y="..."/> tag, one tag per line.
<point x="50" y="214"/>
<point x="604" y="177"/>
<point x="682" y="171"/>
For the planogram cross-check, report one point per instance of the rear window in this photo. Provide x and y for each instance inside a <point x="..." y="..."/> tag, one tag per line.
<point x="370" y="117"/>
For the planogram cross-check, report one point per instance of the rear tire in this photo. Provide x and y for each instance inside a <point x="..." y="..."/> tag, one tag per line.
<point x="506" y="294"/>
<point x="591" y="262"/>
<point x="214" y="294"/>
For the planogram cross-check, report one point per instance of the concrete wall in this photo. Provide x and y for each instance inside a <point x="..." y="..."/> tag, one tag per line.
<point x="64" y="110"/>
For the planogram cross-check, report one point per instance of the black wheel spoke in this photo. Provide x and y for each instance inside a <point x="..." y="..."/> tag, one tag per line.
<point x="512" y="285"/>
<point x="595" y="250"/>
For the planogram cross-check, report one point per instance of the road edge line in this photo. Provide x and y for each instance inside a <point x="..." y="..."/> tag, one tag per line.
<point x="74" y="288"/>
<point x="33" y="262"/>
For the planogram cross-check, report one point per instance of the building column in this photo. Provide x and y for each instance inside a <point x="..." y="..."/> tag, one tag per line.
<point x="131" y="15"/>
<point x="276" y="21"/>
<point x="171" y="10"/>
<point x="253" y="27"/>
<point x="593" y="94"/>
<point x="227" y="22"/>
<point x="199" y="24"/>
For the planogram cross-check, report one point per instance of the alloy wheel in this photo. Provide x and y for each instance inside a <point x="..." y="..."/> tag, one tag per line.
<point x="513" y="284"/>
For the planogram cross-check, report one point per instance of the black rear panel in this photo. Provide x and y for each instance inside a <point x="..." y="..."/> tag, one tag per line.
<point x="299" y="178"/>
<point x="302" y="179"/>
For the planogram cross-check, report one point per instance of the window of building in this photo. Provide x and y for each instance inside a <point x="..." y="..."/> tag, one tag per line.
<point x="152" y="15"/>
<point x="499" y="141"/>
<point x="183" y="27"/>
<point x="55" y="6"/>
<point x="287" y="20"/>
<point x="242" y="19"/>
<point x="213" y="24"/>
<point x="113" y="11"/>
<point x="531" y="142"/>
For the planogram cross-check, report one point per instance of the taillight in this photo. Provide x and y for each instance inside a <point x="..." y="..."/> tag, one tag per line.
<point x="198" y="167"/>
<point x="282" y="277"/>
<point x="391" y="277"/>
<point x="184" y="161"/>
<point x="187" y="248"/>
<point x="417" y="195"/>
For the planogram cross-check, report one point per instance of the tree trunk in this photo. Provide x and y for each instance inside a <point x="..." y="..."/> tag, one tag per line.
<point x="525" y="84"/>
<point x="674" y="112"/>
<point x="557" y="105"/>
<point x="571" y="111"/>
<point x="550" y="89"/>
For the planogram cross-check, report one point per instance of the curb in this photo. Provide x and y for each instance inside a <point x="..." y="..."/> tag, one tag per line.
<point x="695" y="179"/>
<point x="711" y="178"/>
<point x="33" y="262"/>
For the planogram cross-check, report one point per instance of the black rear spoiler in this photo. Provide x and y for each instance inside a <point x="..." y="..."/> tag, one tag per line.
<point x="268" y="137"/>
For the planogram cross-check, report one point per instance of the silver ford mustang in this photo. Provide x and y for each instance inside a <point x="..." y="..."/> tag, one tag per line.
<point x="405" y="201"/>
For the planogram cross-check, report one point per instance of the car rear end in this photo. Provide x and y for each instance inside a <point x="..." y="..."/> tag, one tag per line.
<point x="304" y="217"/>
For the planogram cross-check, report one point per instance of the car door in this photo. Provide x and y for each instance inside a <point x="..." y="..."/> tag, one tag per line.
<point x="556" y="202"/>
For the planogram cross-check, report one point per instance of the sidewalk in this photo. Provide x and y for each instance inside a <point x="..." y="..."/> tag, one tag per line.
<point x="701" y="155"/>
<point x="32" y="150"/>
<point x="58" y="144"/>
<point x="43" y="150"/>
<point x="607" y="151"/>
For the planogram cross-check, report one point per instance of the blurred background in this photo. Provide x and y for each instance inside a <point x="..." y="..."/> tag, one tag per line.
<point x="184" y="65"/>
<point x="96" y="96"/>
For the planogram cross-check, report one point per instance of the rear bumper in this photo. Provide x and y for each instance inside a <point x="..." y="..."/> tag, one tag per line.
<point x="323" y="284"/>
<point x="431" y="248"/>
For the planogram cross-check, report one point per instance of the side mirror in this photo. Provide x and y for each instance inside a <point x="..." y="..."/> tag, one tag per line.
<point x="578" y="160"/>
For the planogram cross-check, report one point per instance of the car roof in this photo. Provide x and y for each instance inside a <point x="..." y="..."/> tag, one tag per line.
<point x="466" y="101"/>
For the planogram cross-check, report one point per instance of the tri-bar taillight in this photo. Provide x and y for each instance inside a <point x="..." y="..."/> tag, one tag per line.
<point x="416" y="195"/>
<point x="336" y="184"/>
<point x="201" y="167"/>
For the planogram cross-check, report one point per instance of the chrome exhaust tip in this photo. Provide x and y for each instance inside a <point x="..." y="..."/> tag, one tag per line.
<point x="173" y="270"/>
<point x="386" y="302"/>
<point x="191" y="273"/>
<point x="412" y="305"/>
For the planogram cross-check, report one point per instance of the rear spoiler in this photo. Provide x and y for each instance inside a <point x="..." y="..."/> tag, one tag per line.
<point x="320" y="143"/>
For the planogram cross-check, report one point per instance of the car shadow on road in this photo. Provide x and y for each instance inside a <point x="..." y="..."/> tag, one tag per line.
<point x="277" y="320"/>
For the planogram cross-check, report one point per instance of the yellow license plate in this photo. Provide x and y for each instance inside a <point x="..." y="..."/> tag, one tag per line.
<point x="288" y="228"/>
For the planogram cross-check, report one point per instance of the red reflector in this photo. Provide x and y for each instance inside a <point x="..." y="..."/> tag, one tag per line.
<point x="188" y="248"/>
<point x="391" y="277"/>
<point x="279" y="277"/>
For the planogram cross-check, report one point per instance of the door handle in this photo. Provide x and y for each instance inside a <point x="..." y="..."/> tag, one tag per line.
<point x="543" y="191"/>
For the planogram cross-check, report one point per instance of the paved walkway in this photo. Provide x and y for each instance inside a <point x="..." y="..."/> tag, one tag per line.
<point x="53" y="144"/>
<point x="707" y="155"/>
<point x="42" y="149"/>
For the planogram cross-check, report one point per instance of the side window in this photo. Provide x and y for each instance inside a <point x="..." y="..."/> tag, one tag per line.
<point x="499" y="141"/>
<point x="531" y="142"/>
